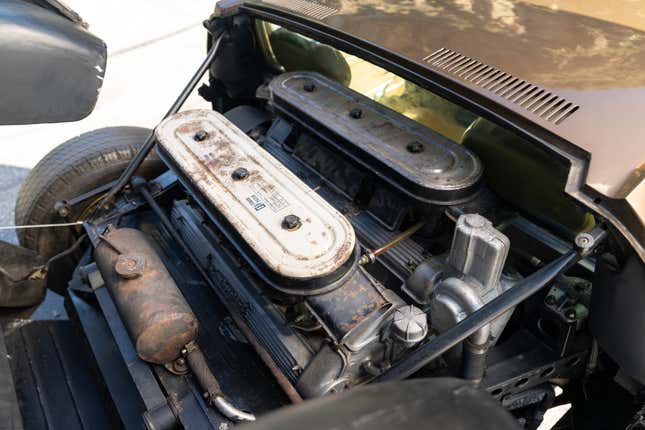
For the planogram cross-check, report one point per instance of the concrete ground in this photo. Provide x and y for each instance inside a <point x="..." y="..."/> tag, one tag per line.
<point x="154" y="46"/>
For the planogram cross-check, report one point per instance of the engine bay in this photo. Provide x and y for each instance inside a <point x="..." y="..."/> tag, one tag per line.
<point x="387" y="241"/>
<point x="358" y="235"/>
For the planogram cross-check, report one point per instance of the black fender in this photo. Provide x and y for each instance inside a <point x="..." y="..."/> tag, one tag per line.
<point x="51" y="68"/>
<point x="435" y="403"/>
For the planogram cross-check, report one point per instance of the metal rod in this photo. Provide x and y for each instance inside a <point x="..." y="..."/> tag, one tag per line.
<point x="370" y="256"/>
<point x="484" y="315"/>
<point x="282" y="380"/>
<point x="23" y="227"/>
<point x="143" y="152"/>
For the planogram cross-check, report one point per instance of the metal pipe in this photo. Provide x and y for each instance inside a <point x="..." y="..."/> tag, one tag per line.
<point x="282" y="380"/>
<point x="473" y="358"/>
<point x="483" y="316"/>
<point x="370" y="256"/>
<point x="212" y="391"/>
<point x="143" y="152"/>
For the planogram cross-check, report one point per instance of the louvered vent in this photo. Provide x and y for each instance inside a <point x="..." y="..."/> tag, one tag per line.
<point x="535" y="99"/>
<point x="305" y="7"/>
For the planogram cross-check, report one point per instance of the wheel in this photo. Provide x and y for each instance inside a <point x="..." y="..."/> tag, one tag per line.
<point x="73" y="168"/>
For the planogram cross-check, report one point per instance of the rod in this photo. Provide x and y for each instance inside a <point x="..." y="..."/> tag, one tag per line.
<point x="370" y="256"/>
<point x="143" y="152"/>
<point x="484" y="315"/>
<point x="282" y="380"/>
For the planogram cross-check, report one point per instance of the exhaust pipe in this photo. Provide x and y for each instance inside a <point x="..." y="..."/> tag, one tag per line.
<point x="155" y="313"/>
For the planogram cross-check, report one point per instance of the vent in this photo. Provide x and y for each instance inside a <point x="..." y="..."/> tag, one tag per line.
<point x="305" y="7"/>
<point x="535" y="99"/>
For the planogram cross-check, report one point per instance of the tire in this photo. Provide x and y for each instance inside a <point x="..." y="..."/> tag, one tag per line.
<point x="73" y="168"/>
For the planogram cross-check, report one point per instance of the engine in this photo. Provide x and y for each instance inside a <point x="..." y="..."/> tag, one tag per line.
<point x="314" y="217"/>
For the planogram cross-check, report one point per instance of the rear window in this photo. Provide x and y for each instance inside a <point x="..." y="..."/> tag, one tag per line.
<point x="523" y="174"/>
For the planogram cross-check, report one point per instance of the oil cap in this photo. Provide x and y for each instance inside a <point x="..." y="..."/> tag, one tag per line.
<point x="410" y="325"/>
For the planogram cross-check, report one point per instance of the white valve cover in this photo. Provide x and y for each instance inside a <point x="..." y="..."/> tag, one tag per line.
<point x="257" y="205"/>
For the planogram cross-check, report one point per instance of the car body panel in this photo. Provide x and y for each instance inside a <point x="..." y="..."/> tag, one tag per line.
<point x="51" y="68"/>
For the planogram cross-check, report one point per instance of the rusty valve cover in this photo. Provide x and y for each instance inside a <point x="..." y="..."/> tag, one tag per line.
<point x="291" y="234"/>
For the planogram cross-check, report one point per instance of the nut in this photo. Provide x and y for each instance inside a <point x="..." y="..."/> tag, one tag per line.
<point x="415" y="147"/>
<point x="201" y="135"/>
<point x="309" y="87"/>
<point x="291" y="222"/>
<point x="240" y="173"/>
<point x="356" y="113"/>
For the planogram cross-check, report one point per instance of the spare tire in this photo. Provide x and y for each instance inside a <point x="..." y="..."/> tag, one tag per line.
<point x="71" y="169"/>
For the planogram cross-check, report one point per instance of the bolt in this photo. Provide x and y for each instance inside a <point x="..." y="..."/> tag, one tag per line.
<point x="584" y="240"/>
<point x="550" y="300"/>
<point x="356" y="113"/>
<point x="62" y="208"/>
<point x="291" y="222"/>
<point x="240" y="173"/>
<point x="415" y="147"/>
<point x="309" y="87"/>
<point x="571" y="314"/>
<point x="201" y="135"/>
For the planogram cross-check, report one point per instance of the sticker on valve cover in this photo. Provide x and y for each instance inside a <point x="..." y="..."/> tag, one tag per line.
<point x="266" y="196"/>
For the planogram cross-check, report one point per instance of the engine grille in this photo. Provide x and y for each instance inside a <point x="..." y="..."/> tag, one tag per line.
<point x="305" y="7"/>
<point x="535" y="99"/>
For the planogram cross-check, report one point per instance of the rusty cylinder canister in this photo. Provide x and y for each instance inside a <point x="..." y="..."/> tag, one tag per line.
<point x="155" y="313"/>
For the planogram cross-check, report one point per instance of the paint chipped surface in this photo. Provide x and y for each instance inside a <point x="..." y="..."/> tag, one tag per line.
<point x="257" y="205"/>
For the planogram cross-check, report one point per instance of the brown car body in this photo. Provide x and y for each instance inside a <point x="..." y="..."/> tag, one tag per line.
<point x="574" y="70"/>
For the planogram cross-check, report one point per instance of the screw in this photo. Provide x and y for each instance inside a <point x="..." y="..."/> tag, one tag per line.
<point x="414" y="147"/>
<point x="201" y="135"/>
<point x="571" y="314"/>
<point x="356" y="113"/>
<point x="240" y="173"/>
<point x="291" y="222"/>
<point x="550" y="300"/>
<point x="309" y="87"/>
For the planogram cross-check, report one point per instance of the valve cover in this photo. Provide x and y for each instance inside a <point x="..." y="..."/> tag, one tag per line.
<point x="415" y="160"/>
<point x="293" y="237"/>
